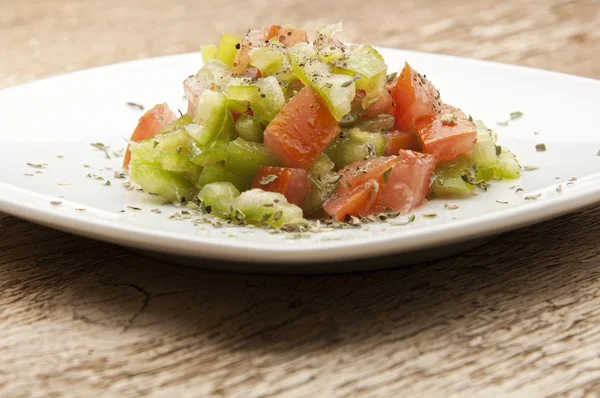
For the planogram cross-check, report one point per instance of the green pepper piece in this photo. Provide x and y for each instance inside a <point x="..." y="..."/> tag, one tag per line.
<point x="249" y="128"/>
<point x="208" y="52"/>
<point x="218" y="173"/>
<point x="244" y="158"/>
<point x="508" y="165"/>
<point x="454" y="178"/>
<point x="355" y="145"/>
<point x="228" y="48"/>
<point x="170" y="186"/>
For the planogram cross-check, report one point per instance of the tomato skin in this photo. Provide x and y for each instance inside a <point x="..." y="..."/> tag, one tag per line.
<point x="397" y="140"/>
<point x="354" y="202"/>
<point x="447" y="141"/>
<point x="294" y="184"/>
<point x="408" y="183"/>
<point x="301" y="130"/>
<point x="413" y="97"/>
<point x="150" y="124"/>
<point x="287" y="36"/>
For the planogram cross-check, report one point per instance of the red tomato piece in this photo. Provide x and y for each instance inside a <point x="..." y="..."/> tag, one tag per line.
<point x="383" y="104"/>
<point x="397" y="140"/>
<point x="414" y="97"/>
<point x="301" y="130"/>
<point x="446" y="140"/>
<point x="149" y="125"/>
<point x="353" y="202"/>
<point x="294" y="184"/>
<point x="287" y="35"/>
<point x="407" y="184"/>
<point x="363" y="170"/>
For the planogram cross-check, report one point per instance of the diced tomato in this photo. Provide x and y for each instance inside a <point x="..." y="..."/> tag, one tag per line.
<point x="149" y="125"/>
<point x="383" y="104"/>
<point x="242" y="59"/>
<point x="414" y="97"/>
<point x="294" y="184"/>
<point x="251" y="73"/>
<point x="447" y="140"/>
<point x="407" y="184"/>
<point x="287" y="35"/>
<point x="301" y="130"/>
<point x="356" y="201"/>
<point x="368" y="169"/>
<point x="397" y="140"/>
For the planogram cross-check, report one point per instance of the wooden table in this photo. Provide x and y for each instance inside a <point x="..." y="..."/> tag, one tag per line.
<point x="520" y="316"/>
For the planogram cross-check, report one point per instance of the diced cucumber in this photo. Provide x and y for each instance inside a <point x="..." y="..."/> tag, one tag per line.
<point x="484" y="153"/>
<point x="324" y="44"/>
<point x="325" y="183"/>
<point x="451" y="178"/>
<point x="228" y="48"/>
<point x="219" y="196"/>
<point x="214" y="72"/>
<point x="179" y="163"/>
<point x="211" y="115"/>
<point x="216" y="153"/>
<point x="508" y="165"/>
<point x="208" y="52"/>
<point x="264" y="95"/>
<point x="336" y="90"/>
<point x="177" y="124"/>
<point x="268" y="60"/>
<point x="244" y="158"/>
<point x="355" y="146"/>
<point x="266" y="208"/>
<point x="218" y="173"/>
<point x="170" y="186"/>
<point x="249" y="128"/>
<point x="379" y="123"/>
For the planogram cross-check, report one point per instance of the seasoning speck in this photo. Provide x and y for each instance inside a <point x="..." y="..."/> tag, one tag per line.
<point x="133" y="208"/>
<point x="60" y="157"/>
<point x="135" y="105"/>
<point x="530" y="168"/>
<point x="533" y="197"/>
<point x="540" y="147"/>
<point x="429" y="215"/>
<point x="268" y="179"/>
<point x="55" y="203"/>
<point x="450" y="207"/>
<point x="107" y="183"/>
<point x="37" y="165"/>
<point x="501" y="202"/>
<point x="157" y="211"/>
<point x="100" y="146"/>
<point x="559" y="188"/>
<point x="28" y="174"/>
<point x="80" y="209"/>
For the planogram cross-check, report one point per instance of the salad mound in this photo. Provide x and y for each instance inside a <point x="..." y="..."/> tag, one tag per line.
<point x="278" y="130"/>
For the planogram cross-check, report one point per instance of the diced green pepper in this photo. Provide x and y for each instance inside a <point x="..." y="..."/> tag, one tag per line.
<point x="249" y="128"/>
<point x="219" y="196"/>
<point x="170" y="186"/>
<point x="244" y="158"/>
<point x="454" y="178"/>
<point x="336" y="90"/>
<point x="264" y="95"/>
<point x="214" y="72"/>
<point x="218" y="173"/>
<point x="228" y="48"/>
<point x="179" y="163"/>
<point x="208" y="52"/>
<point x="355" y="145"/>
<point x="508" y="166"/>
<point x="264" y="208"/>
<point x="268" y="60"/>
<point x="484" y="153"/>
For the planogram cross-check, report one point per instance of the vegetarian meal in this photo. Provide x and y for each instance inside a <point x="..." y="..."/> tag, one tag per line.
<point x="279" y="130"/>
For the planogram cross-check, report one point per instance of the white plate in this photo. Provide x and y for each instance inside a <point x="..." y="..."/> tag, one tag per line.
<point x="64" y="114"/>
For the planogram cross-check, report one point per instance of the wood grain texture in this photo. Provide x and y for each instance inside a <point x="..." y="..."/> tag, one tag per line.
<point x="519" y="317"/>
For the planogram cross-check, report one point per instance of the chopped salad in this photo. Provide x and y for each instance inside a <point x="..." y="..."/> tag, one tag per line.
<point x="279" y="130"/>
